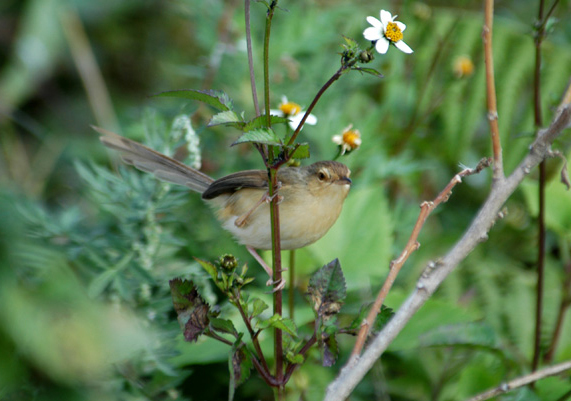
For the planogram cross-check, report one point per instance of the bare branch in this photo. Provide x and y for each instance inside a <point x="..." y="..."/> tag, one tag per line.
<point x="491" y="89"/>
<point x="522" y="381"/>
<point x="435" y="273"/>
<point x="412" y="245"/>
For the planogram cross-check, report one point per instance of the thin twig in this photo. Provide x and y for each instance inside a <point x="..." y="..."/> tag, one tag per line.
<point x="355" y="370"/>
<point x="250" y="57"/>
<point x="86" y="64"/>
<point x="538" y="118"/>
<point x="491" y="90"/>
<point x="253" y="335"/>
<point x="412" y="245"/>
<point x="321" y="91"/>
<point x="563" y="307"/>
<point x="523" y="381"/>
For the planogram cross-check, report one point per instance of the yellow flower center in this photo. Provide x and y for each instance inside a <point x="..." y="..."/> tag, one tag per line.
<point x="463" y="66"/>
<point x="290" y="108"/>
<point x="393" y="32"/>
<point x="352" y="138"/>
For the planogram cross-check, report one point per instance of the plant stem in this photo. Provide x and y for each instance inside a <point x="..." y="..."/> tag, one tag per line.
<point x="334" y="78"/>
<point x="291" y="293"/>
<point x="253" y="335"/>
<point x="541" y="218"/>
<point x="269" y="17"/>
<point x="250" y="57"/>
<point x="491" y="90"/>
<point x="274" y="209"/>
<point x="563" y="307"/>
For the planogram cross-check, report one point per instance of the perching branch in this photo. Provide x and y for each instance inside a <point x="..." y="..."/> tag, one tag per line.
<point x="522" y="381"/>
<point x="436" y="272"/>
<point x="491" y="90"/>
<point x="412" y="245"/>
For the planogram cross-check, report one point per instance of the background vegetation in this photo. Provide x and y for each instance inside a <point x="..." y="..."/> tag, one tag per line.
<point x="86" y="252"/>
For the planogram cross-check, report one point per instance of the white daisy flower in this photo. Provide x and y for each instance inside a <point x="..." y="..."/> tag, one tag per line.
<point x="293" y="112"/>
<point x="385" y="32"/>
<point x="350" y="139"/>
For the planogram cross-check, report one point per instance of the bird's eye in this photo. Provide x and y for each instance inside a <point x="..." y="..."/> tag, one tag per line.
<point x="321" y="175"/>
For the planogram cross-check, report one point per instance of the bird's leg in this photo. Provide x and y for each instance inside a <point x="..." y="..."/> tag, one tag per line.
<point x="268" y="270"/>
<point x="242" y="220"/>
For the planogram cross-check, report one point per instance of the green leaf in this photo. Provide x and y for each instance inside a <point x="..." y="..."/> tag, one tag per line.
<point x="292" y="357"/>
<point x="216" y="99"/>
<point x="261" y="135"/>
<point x="223" y="326"/>
<point x="262" y="122"/>
<point x="228" y="118"/>
<point x="279" y="322"/>
<point x="259" y="307"/>
<point x="381" y="320"/>
<point x="327" y="290"/>
<point x="351" y="42"/>
<point x="210" y="268"/>
<point x="240" y="365"/>
<point x="192" y="311"/>
<point x="302" y="151"/>
<point x="330" y="349"/>
<point x="99" y="283"/>
<point x="371" y="71"/>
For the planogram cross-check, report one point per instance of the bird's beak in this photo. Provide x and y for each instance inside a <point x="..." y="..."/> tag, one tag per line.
<point x="344" y="181"/>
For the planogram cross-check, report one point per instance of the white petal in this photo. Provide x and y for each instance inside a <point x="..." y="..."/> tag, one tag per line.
<point x="382" y="45"/>
<point x="311" y="119"/>
<point x="284" y="99"/>
<point x="401" y="26"/>
<point x="338" y="139"/>
<point x="403" y="47"/>
<point x="278" y="113"/>
<point x="372" y="33"/>
<point x="386" y="17"/>
<point x="375" y="22"/>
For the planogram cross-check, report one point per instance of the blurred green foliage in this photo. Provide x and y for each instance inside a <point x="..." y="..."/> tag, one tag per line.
<point x="86" y="253"/>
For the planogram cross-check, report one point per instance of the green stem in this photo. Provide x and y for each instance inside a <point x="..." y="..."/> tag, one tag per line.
<point x="274" y="209"/>
<point x="334" y="78"/>
<point x="542" y="179"/>
<point x="291" y="283"/>
<point x="250" y="57"/>
<point x="269" y="17"/>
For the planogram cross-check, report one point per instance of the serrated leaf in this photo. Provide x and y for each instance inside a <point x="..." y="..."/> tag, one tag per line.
<point x="228" y="118"/>
<point x="279" y="322"/>
<point x="351" y="42"/>
<point x="262" y="122"/>
<point x="261" y="135"/>
<point x="240" y="365"/>
<point x="381" y="320"/>
<point x="327" y="290"/>
<point x="209" y="267"/>
<point x="371" y="71"/>
<point x="216" y="99"/>
<point x="330" y="350"/>
<point x="302" y="151"/>
<point x="223" y="326"/>
<point x="258" y="307"/>
<point x="192" y="310"/>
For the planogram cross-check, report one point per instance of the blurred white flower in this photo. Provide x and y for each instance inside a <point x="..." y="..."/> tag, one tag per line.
<point x="293" y="112"/>
<point x="350" y="139"/>
<point x="385" y="32"/>
<point x="182" y="128"/>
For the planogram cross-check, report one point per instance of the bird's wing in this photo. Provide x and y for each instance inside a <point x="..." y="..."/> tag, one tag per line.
<point x="234" y="182"/>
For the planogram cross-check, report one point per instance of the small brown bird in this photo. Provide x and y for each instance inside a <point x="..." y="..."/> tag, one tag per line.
<point x="310" y="198"/>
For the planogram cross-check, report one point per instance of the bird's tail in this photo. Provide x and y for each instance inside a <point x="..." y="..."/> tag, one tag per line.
<point x="146" y="159"/>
